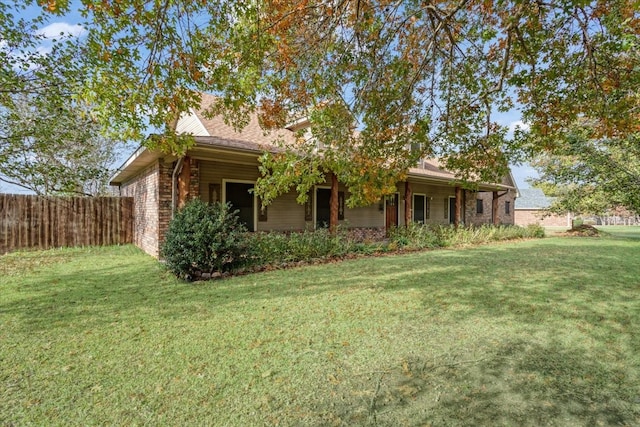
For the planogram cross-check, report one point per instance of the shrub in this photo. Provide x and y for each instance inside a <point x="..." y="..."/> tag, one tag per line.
<point x="535" y="230"/>
<point x="418" y="236"/>
<point x="278" y="248"/>
<point x="415" y="236"/>
<point x="203" y="237"/>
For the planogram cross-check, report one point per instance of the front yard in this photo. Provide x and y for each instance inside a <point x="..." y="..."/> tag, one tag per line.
<point x="539" y="332"/>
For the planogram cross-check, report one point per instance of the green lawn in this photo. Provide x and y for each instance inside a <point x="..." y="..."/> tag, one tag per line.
<point x="538" y="332"/>
<point x="629" y="232"/>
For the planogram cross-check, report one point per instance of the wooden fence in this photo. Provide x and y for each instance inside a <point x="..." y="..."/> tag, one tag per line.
<point x="35" y="222"/>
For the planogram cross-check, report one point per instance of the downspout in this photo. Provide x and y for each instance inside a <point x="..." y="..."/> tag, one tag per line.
<point x="174" y="184"/>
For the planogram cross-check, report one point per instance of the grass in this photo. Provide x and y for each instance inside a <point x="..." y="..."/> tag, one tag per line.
<point x="629" y="232"/>
<point x="540" y="332"/>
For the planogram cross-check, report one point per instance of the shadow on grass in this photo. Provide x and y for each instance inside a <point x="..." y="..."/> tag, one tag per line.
<point x="519" y="383"/>
<point x="540" y="287"/>
<point x="591" y="280"/>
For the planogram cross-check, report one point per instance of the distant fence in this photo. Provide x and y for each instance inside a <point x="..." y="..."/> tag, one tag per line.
<point x="35" y="222"/>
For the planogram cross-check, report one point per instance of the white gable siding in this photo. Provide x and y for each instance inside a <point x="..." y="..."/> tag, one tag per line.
<point x="190" y="124"/>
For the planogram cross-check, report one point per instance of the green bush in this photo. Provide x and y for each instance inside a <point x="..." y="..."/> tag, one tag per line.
<point x="204" y="238"/>
<point x="277" y="248"/>
<point x="535" y="230"/>
<point x="415" y="236"/>
<point x="418" y="236"/>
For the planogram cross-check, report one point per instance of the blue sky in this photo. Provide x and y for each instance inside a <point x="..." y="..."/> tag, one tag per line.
<point x="71" y="24"/>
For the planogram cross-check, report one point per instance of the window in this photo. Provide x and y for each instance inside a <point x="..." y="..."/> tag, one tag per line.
<point x="479" y="206"/>
<point x="507" y="208"/>
<point x="419" y="208"/>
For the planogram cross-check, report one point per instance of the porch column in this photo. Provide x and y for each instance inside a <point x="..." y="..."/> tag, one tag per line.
<point x="333" y="205"/>
<point x="184" y="182"/>
<point x="457" y="215"/>
<point x="494" y="209"/>
<point x="194" y="180"/>
<point x="408" y="199"/>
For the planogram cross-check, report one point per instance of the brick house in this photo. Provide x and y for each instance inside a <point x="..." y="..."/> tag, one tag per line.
<point x="532" y="208"/>
<point x="223" y="166"/>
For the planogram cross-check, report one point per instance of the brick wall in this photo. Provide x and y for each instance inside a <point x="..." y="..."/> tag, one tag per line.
<point x="151" y="190"/>
<point x="472" y="217"/>
<point x="535" y="216"/>
<point x="164" y="200"/>
<point x="194" y="179"/>
<point x="144" y="190"/>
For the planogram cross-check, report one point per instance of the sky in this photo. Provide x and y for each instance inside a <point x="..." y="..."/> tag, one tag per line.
<point x="71" y="24"/>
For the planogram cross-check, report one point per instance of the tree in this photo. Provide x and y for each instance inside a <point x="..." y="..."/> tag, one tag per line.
<point x="53" y="148"/>
<point x="589" y="174"/>
<point x="384" y="82"/>
<point x="30" y="62"/>
<point x="50" y="141"/>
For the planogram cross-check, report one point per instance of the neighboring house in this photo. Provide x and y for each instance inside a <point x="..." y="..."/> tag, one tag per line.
<point x="223" y="166"/>
<point x="531" y="208"/>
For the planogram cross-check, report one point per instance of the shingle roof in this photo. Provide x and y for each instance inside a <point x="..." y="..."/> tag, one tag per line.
<point x="432" y="167"/>
<point x="251" y="133"/>
<point x="532" y="198"/>
<point x="252" y="138"/>
<point x="235" y="144"/>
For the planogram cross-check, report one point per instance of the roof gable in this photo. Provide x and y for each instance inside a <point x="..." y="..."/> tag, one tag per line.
<point x="190" y="124"/>
<point x="253" y="133"/>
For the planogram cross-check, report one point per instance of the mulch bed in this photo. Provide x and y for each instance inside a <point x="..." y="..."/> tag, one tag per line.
<point x="583" y="230"/>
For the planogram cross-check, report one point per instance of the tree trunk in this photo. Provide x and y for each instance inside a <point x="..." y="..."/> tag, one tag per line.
<point x="184" y="182"/>
<point x="407" y="203"/>
<point x="333" y="216"/>
<point x="457" y="213"/>
<point x="494" y="209"/>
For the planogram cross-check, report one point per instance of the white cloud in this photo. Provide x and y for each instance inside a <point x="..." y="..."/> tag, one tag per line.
<point x="518" y="124"/>
<point x="55" y="30"/>
<point x="43" y="50"/>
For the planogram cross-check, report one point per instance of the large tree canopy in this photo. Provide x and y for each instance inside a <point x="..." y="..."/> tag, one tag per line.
<point x="50" y="140"/>
<point x="591" y="175"/>
<point x="384" y="82"/>
<point x="50" y="147"/>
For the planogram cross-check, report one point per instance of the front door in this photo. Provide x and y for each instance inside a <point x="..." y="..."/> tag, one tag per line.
<point x="323" y="207"/>
<point x="237" y="193"/>
<point x="391" y="207"/>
